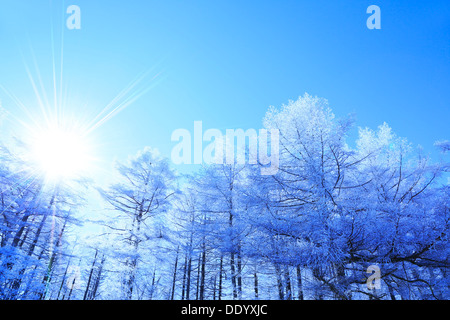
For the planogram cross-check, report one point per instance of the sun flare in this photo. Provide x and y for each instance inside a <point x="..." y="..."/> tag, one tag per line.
<point x="60" y="153"/>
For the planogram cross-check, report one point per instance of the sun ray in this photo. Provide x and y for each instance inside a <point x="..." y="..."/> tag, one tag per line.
<point x="26" y="187"/>
<point x="55" y="107"/>
<point x="54" y="127"/>
<point x="121" y="105"/>
<point x="119" y="96"/>
<point x="37" y="94"/>
<point x="21" y="106"/>
<point x="39" y="78"/>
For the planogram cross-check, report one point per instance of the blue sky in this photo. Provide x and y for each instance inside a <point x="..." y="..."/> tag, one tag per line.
<point x="226" y="62"/>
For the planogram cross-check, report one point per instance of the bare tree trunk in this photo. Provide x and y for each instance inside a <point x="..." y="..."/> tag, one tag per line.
<point x="41" y="225"/>
<point x="52" y="261"/>
<point x="27" y="214"/>
<point x="174" y="275"/>
<point x="220" y="277"/>
<point x="32" y="277"/>
<point x="153" y="284"/>
<point x="214" y="287"/>
<point x="183" y="289"/>
<point x="318" y="291"/>
<point x="299" y="284"/>
<point x="233" y="275"/>
<point x="255" y="275"/>
<point x="72" y="284"/>
<point x="188" y="285"/>
<point x="239" y="273"/>
<point x="131" y="278"/>
<point x="86" y="292"/>
<point x="340" y="278"/>
<point x="98" y="279"/>
<point x="232" y="256"/>
<point x="22" y="228"/>
<point x="198" y="278"/>
<point x="279" y="282"/>
<point x="203" y="273"/>
<point x="18" y="281"/>
<point x="287" y="278"/>
<point x="63" y="280"/>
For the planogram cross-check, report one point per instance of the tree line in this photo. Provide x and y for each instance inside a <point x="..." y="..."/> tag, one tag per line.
<point x="310" y="231"/>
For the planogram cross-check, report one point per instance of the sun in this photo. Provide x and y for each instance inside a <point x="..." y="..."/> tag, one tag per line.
<point x="60" y="153"/>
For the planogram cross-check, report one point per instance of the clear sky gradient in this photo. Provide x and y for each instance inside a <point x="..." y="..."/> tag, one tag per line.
<point x="226" y="62"/>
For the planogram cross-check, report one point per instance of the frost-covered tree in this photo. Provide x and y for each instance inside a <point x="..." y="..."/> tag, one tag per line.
<point x="140" y="202"/>
<point x="219" y="192"/>
<point x="331" y="213"/>
<point x="334" y="211"/>
<point x="296" y="207"/>
<point x="405" y="227"/>
<point x="35" y="218"/>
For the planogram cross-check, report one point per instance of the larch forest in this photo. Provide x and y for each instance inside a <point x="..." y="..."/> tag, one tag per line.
<point x="335" y="210"/>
